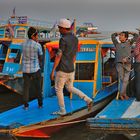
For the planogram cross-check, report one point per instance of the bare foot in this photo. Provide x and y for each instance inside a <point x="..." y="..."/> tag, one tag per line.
<point x="126" y="97"/>
<point x="121" y="97"/>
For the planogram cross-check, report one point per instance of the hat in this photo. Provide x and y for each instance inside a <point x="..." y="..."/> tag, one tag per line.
<point x="65" y="23"/>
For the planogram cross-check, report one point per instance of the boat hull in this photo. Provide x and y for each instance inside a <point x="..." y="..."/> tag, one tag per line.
<point x="125" y="118"/>
<point x="118" y="126"/>
<point x="47" y="128"/>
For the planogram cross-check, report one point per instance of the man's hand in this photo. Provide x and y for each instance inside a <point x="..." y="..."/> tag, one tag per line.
<point x="52" y="75"/>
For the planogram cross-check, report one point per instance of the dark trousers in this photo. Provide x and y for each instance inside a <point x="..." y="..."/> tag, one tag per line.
<point x="137" y="80"/>
<point x="34" y="80"/>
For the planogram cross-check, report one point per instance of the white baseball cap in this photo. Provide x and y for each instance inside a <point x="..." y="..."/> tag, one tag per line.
<point x="65" y="23"/>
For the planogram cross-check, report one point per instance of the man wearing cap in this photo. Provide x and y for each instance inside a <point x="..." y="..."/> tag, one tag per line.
<point x="31" y="62"/>
<point x="64" y="65"/>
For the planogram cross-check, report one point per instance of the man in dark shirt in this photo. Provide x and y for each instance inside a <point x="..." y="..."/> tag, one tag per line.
<point x="64" y="65"/>
<point x="123" y="59"/>
<point x="137" y="68"/>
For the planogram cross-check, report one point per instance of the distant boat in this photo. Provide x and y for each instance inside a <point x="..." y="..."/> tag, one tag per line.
<point x="92" y="76"/>
<point x="87" y="29"/>
<point x="13" y="32"/>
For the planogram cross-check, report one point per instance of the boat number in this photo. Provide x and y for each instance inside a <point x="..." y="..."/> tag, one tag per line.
<point x="8" y="69"/>
<point x="87" y="49"/>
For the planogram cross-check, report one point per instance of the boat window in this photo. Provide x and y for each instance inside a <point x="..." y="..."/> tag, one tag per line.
<point x="84" y="71"/>
<point x="3" y="48"/>
<point x="21" y="33"/>
<point x="7" y="33"/>
<point x="2" y="33"/>
<point x="14" y="50"/>
<point x="14" y="56"/>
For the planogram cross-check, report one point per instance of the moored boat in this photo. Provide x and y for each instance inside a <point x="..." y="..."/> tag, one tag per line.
<point x="87" y="29"/>
<point x="13" y="32"/>
<point x="90" y="77"/>
<point x="120" y="116"/>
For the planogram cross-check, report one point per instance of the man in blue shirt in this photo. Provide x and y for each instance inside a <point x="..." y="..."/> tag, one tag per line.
<point x="31" y="62"/>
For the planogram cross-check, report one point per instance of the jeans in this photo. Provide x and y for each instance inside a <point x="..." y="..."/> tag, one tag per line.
<point x="67" y="79"/>
<point x="137" y="80"/>
<point x="123" y="76"/>
<point x="35" y="80"/>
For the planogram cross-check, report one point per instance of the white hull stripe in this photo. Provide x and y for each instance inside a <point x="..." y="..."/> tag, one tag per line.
<point x="133" y="111"/>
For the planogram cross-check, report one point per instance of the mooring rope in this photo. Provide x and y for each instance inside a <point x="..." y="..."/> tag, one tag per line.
<point x="5" y="131"/>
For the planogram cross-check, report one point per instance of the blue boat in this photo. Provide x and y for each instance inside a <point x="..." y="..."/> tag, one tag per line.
<point x="13" y="32"/>
<point x="119" y="116"/>
<point x="90" y="77"/>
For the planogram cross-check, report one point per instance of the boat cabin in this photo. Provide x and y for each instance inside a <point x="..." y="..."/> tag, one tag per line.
<point x="12" y="34"/>
<point x="91" y="73"/>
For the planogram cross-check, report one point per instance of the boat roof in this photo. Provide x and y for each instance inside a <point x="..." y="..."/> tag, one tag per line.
<point x="83" y="41"/>
<point x="24" y="20"/>
<point x="40" y="28"/>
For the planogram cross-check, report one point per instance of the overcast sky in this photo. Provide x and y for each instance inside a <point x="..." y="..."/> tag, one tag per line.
<point x="108" y="15"/>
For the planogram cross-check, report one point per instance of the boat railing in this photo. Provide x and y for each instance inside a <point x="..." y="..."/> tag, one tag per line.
<point x="25" y="20"/>
<point x="88" y="68"/>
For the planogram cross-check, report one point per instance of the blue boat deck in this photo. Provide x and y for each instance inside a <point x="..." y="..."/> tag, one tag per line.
<point x="121" y="109"/>
<point x="20" y="117"/>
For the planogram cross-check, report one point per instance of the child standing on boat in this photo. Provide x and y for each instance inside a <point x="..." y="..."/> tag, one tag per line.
<point x="123" y="59"/>
<point x="31" y="61"/>
<point x="64" y="65"/>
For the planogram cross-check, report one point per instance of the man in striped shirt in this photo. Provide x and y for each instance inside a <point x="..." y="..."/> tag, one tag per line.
<point x="31" y="62"/>
<point x="137" y="68"/>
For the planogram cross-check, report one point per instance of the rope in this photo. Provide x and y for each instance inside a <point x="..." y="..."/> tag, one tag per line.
<point x="5" y="131"/>
<point x="14" y="138"/>
<point x="103" y="66"/>
<point x="118" y="93"/>
<point x="67" y="123"/>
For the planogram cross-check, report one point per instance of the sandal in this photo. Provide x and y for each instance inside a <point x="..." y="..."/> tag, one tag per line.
<point x="59" y="113"/>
